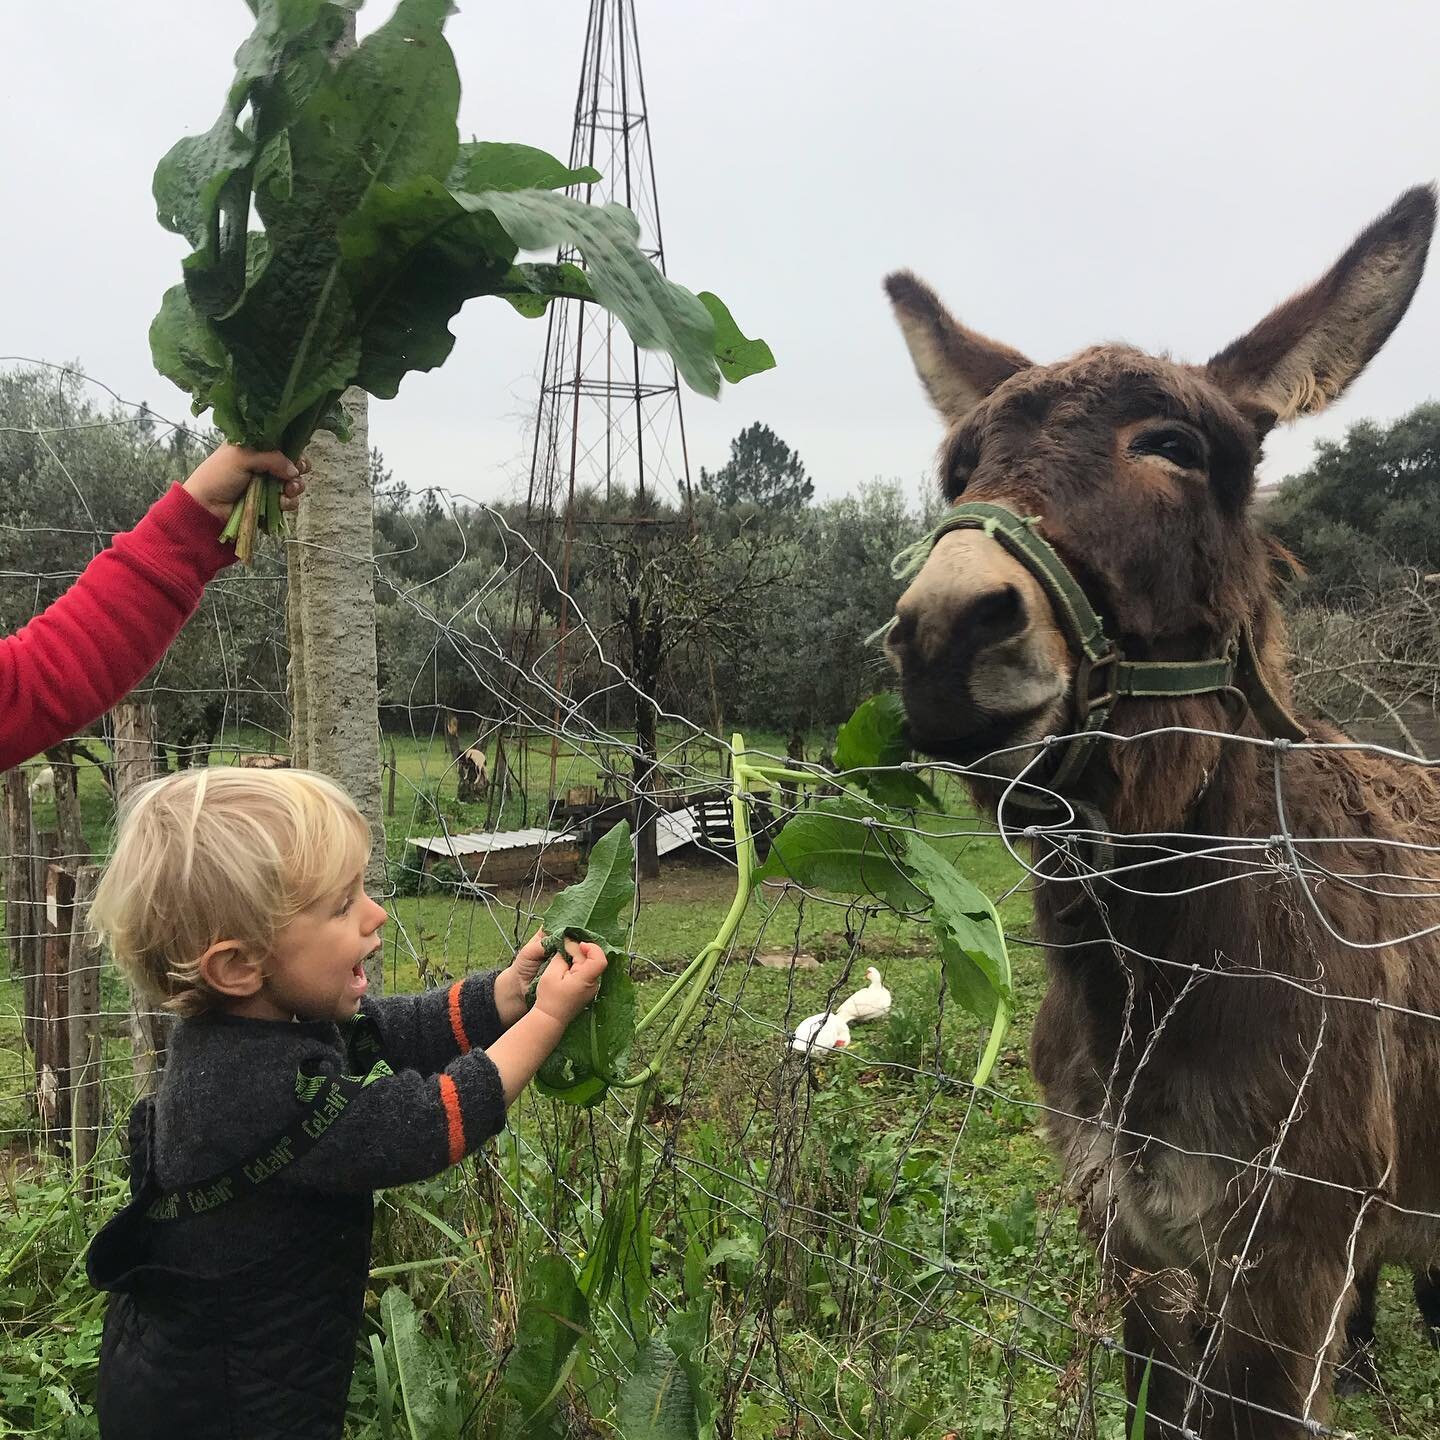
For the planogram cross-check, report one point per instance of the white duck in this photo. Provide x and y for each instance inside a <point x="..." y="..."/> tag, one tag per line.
<point x="871" y="1003"/>
<point x="819" y="1033"/>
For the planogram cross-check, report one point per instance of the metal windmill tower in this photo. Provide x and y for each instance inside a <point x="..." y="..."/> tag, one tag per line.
<point x="609" y="420"/>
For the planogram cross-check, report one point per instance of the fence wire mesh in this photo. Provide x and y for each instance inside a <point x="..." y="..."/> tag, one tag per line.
<point x="875" y="1245"/>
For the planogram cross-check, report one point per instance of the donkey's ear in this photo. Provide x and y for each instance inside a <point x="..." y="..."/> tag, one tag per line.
<point x="1304" y="353"/>
<point x="958" y="367"/>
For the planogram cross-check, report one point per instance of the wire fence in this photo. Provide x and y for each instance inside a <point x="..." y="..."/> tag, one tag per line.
<point x="870" y="1244"/>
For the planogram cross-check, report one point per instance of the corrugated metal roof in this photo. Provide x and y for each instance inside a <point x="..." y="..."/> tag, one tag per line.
<point x="674" y="828"/>
<point x="485" y="842"/>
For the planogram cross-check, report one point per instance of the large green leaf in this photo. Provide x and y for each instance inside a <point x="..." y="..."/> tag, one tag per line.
<point x="619" y="1256"/>
<point x="412" y="256"/>
<point x="201" y="185"/>
<point x="659" y="314"/>
<point x="736" y="354"/>
<point x="490" y="165"/>
<point x="386" y="116"/>
<point x="973" y="951"/>
<point x="656" y="1401"/>
<point x="687" y="1332"/>
<point x="554" y="1319"/>
<point x="531" y="287"/>
<point x="186" y="351"/>
<point x="595" y="1042"/>
<point x="875" y="736"/>
<point x="839" y="846"/>
<point x="423" y="1389"/>
<point x="594" y="907"/>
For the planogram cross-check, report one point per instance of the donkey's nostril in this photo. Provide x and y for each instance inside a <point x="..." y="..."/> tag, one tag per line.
<point x="902" y="630"/>
<point x="993" y="617"/>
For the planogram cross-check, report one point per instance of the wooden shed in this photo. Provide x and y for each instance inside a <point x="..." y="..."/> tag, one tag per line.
<point x="504" y="857"/>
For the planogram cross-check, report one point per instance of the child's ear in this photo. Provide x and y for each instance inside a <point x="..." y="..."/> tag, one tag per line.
<point x="228" y="968"/>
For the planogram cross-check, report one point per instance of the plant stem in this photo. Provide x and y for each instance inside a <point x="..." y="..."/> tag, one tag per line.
<point x="1001" y="1023"/>
<point x="249" y="510"/>
<point x="702" y="967"/>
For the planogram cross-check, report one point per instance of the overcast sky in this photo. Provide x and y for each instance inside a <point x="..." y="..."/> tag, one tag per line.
<point x="1061" y="173"/>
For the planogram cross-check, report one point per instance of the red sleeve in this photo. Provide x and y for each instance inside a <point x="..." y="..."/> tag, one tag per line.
<point x="71" y="663"/>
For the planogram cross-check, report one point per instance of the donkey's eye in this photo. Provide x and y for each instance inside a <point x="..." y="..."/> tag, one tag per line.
<point x="1179" y="447"/>
<point x="958" y="472"/>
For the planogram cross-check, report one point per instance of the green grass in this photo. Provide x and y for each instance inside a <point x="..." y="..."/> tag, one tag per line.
<point x="873" y="1244"/>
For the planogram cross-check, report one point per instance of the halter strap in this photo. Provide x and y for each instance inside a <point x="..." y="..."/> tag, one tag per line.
<point x="1103" y="675"/>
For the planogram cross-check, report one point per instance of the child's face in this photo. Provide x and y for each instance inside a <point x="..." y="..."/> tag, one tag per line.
<point x="316" y="971"/>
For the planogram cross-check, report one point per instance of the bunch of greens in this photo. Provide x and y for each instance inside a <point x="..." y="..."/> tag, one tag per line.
<point x="337" y="225"/>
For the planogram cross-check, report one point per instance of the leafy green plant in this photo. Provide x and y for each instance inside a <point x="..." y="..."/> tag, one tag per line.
<point x="593" y="1047"/>
<point x="375" y="225"/>
<point x="1142" y="1399"/>
<point x="414" y="1380"/>
<point x="554" y="1318"/>
<point x="857" y="845"/>
<point x="656" y="1402"/>
<point x="852" y="845"/>
<point x="1013" y="1229"/>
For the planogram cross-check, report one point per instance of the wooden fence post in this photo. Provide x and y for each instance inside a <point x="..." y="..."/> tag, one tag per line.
<point x="66" y="769"/>
<point x="135" y="765"/>
<point x="86" y="1053"/>
<point x="19" y="918"/>
<point x="44" y="847"/>
<point x="52" y="1030"/>
<point x="134" y="748"/>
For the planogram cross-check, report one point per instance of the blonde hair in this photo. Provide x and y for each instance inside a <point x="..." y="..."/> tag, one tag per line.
<point x="216" y="854"/>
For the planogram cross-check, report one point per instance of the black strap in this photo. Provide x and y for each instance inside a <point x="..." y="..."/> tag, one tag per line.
<point x="326" y="1105"/>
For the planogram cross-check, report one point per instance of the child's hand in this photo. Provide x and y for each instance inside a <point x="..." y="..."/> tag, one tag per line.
<point x="221" y="479"/>
<point x="566" y="989"/>
<point x="529" y="961"/>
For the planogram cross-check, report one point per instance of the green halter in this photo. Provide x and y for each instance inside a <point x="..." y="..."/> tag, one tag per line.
<point x="1103" y="675"/>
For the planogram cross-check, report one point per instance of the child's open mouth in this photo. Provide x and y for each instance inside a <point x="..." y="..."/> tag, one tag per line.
<point x="359" y="984"/>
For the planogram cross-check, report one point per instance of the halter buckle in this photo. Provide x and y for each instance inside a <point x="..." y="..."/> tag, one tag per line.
<point x="1087" y="702"/>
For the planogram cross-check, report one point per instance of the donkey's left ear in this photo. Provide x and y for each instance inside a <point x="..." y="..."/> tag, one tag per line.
<point x="1304" y="353"/>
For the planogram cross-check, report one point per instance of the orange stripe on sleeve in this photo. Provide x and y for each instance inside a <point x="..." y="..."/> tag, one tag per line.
<point x="457" y="1023"/>
<point x="454" y="1121"/>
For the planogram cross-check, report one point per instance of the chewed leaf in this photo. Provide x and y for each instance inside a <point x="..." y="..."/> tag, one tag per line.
<point x="531" y="288"/>
<point x="412" y="255"/>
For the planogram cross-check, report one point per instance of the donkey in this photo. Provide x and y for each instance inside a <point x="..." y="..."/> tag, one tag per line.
<point x="1241" y="1074"/>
